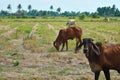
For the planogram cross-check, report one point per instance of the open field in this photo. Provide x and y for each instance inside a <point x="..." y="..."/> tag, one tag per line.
<point x="27" y="52"/>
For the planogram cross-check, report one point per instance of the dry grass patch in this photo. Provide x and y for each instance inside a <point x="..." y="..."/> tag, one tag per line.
<point x="5" y="61"/>
<point x="29" y="44"/>
<point x="9" y="33"/>
<point x="57" y="55"/>
<point x="33" y="46"/>
<point x="4" y="28"/>
<point x="9" y="46"/>
<point x="37" y="50"/>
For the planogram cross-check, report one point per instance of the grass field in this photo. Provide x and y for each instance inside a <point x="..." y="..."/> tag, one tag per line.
<point x="27" y="52"/>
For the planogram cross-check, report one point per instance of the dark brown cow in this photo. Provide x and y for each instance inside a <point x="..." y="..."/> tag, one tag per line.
<point x="101" y="57"/>
<point x="66" y="34"/>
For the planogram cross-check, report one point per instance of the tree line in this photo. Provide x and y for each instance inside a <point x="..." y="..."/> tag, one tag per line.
<point x="33" y="13"/>
<point x="108" y="11"/>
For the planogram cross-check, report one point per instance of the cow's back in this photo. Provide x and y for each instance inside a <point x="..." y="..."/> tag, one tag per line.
<point x="77" y="31"/>
<point x="112" y="55"/>
<point x="69" y="33"/>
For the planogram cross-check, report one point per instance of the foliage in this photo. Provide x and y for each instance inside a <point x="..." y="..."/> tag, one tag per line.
<point x="33" y="13"/>
<point x="95" y="15"/>
<point x="82" y="16"/>
<point x="51" y="7"/>
<point x="108" y="11"/>
<point x="19" y="6"/>
<point x="58" y="9"/>
<point x="15" y="63"/>
<point x="29" y="7"/>
<point x="9" y="7"/>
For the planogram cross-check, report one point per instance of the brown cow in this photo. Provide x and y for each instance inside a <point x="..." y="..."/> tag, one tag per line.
<point x="101" y="57"/>
<point x="66" y="34"/>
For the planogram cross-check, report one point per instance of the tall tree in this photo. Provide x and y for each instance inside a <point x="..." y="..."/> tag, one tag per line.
<point x="51" y="7"/>
<point x="9" y="7"/>
<point x="29" y="7"/>
<point x="58" y="9"/>
<point x="117" y="12"/>
<point x="19" y="7"/>
<point x="108" y="11"/>
<point x="113" y="9"/>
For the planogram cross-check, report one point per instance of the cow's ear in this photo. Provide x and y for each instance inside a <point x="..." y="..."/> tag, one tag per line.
<point x="95" y="49"/>
<point x="91" y="39"/>
<point x="99" y="44"/>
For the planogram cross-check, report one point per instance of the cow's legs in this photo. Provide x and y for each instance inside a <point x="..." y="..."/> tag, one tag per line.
<point x="66" y="45"/>
<point x="97" y="75"/>
<point x="63" y="44"/>
<point x="80" y="40"/>
<point x="77" y="42"/>
<point x="107" y="74"/>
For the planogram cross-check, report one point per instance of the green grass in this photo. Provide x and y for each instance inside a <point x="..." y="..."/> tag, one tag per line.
<point x="56" y="65"/>
<point x="100" y="31"/>
<point x="104" y="32"/>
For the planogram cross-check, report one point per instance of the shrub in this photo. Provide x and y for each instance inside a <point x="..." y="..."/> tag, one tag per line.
<point x="15" y="63"/>
<point x="82" y="16"/>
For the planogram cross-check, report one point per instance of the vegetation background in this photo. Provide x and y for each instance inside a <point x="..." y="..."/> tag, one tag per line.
<point x="33" y="13"/>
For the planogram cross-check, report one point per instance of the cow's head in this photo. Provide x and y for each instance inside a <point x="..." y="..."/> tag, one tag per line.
<point x="89" y="46"/>
<point x="56" y="45"/>
<point x="70" y="22"/>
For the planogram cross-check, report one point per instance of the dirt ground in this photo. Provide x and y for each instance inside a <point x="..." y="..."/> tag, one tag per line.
<point x="37" y="64"/>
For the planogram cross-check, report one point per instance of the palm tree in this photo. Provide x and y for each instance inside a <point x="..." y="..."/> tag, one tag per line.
<point x="51" y="7"/>
<point x="19" y="12"/>
<point x="9" y="7"/>
<point x="19" y="7"/>
<point x="29" y="7"/>
<point x="58" y="9"/>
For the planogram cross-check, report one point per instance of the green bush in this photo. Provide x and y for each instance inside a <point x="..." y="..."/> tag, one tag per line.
<point x="15" y="63"/>
<point x="82" y="17"/>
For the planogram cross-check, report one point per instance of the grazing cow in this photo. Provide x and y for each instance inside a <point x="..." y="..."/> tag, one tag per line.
<point x="70" y="23"/>
<point x="101" y="57"/>
<point x="66" y="34"/>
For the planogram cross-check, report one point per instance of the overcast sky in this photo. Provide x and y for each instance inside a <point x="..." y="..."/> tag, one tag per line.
<point x="65" y="5"/>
